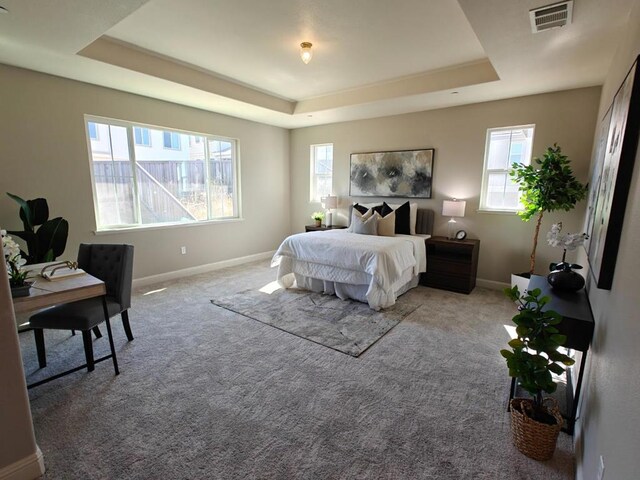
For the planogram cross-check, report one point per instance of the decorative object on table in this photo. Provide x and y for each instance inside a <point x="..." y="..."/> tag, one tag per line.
<point x="548" y="188"/>
<point x="453" y="208"/>
<point x="318" y="217"/>
<point x="533" y="359"/>
<point x="611" y="179"/>
<point x="330" y="202"/>
<point x="50" y="239"/>
<point x="17" y="275"/>
<point x="406" y="173"/>
<point x="60" y="270"/>
<point x="461" y="235"/>
<point x="562" y="276"/>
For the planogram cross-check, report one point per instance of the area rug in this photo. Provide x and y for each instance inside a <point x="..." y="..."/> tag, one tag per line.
<point x="344" y="325"/>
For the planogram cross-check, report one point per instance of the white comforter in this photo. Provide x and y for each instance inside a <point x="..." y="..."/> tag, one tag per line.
<point x="344" y="257"/>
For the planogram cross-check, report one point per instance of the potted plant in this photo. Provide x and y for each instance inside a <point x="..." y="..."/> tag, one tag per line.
<point x="562" y="276"/>
<point x="550" y="187"/>
<point x="49" y="240"/>
<point x="532" y="360"/>
<point x="17" y="275"/>
<point x="318" y="217"/>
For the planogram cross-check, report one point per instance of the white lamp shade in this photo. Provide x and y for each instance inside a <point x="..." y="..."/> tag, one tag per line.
<point x="453" y="208"/>
<point x="330" y="201"/>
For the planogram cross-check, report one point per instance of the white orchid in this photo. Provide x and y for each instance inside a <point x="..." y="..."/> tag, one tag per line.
<point x="568" y="241"/>
<point x="13" y="259"/>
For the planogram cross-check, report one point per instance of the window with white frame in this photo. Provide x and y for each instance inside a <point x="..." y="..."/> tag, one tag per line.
<point x="504" y="147"/>
<point x="321" y="171"/>
<point x="139" y="182"/>
<point x="142" y="136"/>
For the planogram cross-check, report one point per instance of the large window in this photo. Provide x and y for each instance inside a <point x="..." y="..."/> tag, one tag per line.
<point x="321" y="171"/>
<point x="137" y="180"/>
<point x="504" y="147"/>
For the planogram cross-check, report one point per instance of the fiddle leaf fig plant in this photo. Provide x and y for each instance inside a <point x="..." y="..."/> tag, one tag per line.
<point x="534" y="356"/>
<point x="549" y="187"/>
<point x="46" y="242"/>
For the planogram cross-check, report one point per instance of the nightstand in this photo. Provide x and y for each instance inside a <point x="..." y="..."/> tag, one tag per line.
<point x="451" y="264"/>
<point x="313" y="228"/>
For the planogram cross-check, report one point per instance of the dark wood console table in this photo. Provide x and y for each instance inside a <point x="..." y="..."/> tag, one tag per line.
<point x="578" y="325"/>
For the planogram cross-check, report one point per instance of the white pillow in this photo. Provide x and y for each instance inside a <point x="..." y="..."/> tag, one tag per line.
<point x="413" y="214"/>
<point x="386" y="225"/>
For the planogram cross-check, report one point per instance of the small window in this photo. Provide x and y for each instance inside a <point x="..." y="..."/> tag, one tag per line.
<point x="504" y="147"/>
<point x="142" y="136"/>
<point x="321" y="171"/>
<point x="93" y="131"/>
<point x="171" y="140"/>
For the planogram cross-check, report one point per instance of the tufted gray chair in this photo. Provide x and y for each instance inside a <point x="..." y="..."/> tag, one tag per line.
<point x="111" y="263"/>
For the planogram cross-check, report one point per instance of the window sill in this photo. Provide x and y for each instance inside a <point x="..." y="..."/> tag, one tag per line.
<point x="498" y="212"/>
<point x="138" y="228"/>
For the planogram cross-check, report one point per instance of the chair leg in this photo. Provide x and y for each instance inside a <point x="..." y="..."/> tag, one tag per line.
<point x="88" y="349"/>
<point x="97" y="332"/>
<point x="125" y="324"/>
<point x="113" y="349"/>
<point x="42" y="355"/>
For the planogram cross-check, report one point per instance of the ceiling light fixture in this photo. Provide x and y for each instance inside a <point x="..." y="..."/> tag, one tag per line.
<point x="305" y="52"/>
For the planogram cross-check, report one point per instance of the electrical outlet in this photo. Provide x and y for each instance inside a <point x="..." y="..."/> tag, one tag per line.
<point x="183" y="250"/>
<point x="601" y="468"/>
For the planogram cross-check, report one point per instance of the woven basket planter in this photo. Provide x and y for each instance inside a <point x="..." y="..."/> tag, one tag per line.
<point x="535" y="439"/>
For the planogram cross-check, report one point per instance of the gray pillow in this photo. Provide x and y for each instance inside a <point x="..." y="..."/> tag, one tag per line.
<point x="365" y="227"/>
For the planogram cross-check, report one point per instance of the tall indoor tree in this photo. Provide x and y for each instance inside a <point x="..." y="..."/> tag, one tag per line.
<point x="546" y="185"/>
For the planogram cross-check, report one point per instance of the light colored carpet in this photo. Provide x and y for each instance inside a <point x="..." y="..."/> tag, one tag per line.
<point x="205" y="393"/>
<point x="346" y="326"/>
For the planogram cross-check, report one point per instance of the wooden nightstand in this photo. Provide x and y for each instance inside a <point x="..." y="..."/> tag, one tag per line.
<point x="313" y="228"/>
<point x="451" y="264"/>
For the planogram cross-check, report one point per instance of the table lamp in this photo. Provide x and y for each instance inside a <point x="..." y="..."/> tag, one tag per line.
<point x="330" y="202"/>
<point x="453" y="208"/>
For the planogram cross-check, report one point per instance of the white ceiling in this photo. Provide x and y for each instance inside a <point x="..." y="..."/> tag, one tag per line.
<point x="371" y="57"/>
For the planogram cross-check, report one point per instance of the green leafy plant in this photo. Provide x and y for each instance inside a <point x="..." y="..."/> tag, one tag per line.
<point x="534" y="355"/>
<point x="550" y="187"/>
<point x="317" y="216"/>
<point x="46" y="242"/>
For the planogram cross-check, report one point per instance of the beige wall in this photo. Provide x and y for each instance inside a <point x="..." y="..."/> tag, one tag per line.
<point x="458" y="136"/>
<point x="43" y="152"/>
<point x="610" y="423"/>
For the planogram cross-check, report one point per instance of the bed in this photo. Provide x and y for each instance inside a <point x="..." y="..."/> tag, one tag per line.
<point x="368" y="268"/>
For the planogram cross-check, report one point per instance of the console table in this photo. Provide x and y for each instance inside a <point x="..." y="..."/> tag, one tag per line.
<point x="578" y="325"/>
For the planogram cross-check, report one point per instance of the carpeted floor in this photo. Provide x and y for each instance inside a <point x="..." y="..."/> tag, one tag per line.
<point x="205" y="393"/>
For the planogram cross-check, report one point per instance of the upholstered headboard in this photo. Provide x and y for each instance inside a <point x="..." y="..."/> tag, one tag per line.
<point x="424" y="220"/>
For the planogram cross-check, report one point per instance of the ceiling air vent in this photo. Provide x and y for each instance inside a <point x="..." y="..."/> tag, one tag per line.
<point x="551" y="16"/>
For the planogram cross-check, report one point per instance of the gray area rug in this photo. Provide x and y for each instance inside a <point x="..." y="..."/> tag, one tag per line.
<point x="205" y="393"/>
<point x="346" y="326"/>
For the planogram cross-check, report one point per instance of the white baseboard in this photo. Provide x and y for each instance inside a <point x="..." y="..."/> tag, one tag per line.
<point x="27" y="468"/>
<point x="209" y="267"/>
<point x="493" y="285"/>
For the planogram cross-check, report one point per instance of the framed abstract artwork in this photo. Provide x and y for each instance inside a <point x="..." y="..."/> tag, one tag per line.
<point x="404" y="173"/>
<point x="611" y="192"/>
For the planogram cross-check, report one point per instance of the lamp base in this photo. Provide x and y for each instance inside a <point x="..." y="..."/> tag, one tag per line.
<point x="452" y="229"/>
<point x="328" y="219"/>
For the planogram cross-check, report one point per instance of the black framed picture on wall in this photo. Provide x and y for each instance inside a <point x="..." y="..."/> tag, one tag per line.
<point x="611" y="192"/>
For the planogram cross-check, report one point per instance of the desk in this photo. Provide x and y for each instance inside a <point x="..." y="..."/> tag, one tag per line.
<point x="578" y="325"/>
<point x="45" y="293"/>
